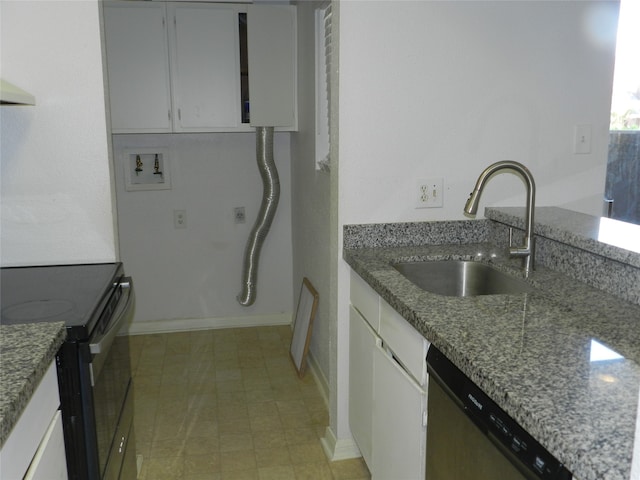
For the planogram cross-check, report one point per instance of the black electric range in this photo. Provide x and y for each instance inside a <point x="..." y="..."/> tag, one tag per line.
<point x="96" y="301"/>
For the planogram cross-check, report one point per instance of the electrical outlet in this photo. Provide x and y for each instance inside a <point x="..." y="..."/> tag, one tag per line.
<point x="179" y="219"/>
<point x="238" y="215"/>
<point x="429" y="193"/>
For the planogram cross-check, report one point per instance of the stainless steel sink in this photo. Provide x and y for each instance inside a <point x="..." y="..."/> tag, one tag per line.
<point x="459" y="278"/>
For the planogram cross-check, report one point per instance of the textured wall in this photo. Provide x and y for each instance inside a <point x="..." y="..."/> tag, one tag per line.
<point x="195" y="272"/>
<point x="310" y="190"/>
<point x="56" y="184"/>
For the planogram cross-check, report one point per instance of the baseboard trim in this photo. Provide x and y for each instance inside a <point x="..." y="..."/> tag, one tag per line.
<point x="321" y="380"/>
<point x="338" y="449"/>
<point x="192" y="324"/>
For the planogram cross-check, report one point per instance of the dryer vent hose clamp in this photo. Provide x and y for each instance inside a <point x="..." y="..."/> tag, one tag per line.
<point x="271" y="195"/>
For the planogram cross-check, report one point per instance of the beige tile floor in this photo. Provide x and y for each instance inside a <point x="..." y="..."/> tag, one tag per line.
<point x="227" y="404"/>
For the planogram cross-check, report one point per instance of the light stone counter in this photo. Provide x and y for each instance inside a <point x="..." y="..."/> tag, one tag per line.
<point x="26" y="351"/>
<point x="531" y="353"/>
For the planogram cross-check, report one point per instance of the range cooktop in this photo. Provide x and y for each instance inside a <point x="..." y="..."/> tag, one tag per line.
<point x="68" y="293"/>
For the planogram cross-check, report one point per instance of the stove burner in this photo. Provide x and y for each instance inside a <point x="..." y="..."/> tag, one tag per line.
<point x="39" y="311"/>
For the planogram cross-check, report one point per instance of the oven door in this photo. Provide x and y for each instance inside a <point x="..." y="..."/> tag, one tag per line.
<point x="110" y="369"/>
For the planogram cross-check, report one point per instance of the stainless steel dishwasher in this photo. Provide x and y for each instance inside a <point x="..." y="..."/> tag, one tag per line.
<point x="469" y="437"/>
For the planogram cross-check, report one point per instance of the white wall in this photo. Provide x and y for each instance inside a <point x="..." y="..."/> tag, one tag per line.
<point x="189" y="278"/>
<point x="454" y="86"/>
<point x="56" y="183"/>
<point x="443" y="89"/>
<point x="310" y="191"/>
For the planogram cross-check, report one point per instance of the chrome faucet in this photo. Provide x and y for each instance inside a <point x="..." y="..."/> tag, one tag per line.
<point x="526" y="251"/>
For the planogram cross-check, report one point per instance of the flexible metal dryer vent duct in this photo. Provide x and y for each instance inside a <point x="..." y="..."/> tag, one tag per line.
<point x="270" y="197"/>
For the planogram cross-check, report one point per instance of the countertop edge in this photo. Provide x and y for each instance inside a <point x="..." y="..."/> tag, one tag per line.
<point x="575" y="229"/>
<point x="21" y="374"/>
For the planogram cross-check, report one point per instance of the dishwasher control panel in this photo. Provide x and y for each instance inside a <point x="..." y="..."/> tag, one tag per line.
<point x="525" y="452"/>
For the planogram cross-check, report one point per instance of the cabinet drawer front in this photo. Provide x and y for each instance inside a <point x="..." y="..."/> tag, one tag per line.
<point x="365" y="300"/>
<point x="409" y="346"/>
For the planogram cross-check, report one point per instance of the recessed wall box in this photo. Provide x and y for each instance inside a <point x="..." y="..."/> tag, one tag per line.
<point x="147" y="169"/>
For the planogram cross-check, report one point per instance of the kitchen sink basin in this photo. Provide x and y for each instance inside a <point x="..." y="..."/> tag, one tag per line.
<point x="459" y="278"/>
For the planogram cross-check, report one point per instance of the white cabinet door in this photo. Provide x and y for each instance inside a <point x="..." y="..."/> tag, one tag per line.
<point x="205" y="54"/>
<point x="50" y="462"/>
<point x="36" y="428"/>
<point x="362" y="342"/>
<point x="137" y="66"/>
<point x="271" y="44"/>
<point x="399" y="421"/>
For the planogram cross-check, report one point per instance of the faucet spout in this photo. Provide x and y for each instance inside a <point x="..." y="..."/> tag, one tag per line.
<point x="526" y="251"/>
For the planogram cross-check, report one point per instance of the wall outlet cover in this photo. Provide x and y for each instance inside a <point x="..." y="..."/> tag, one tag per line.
<point x="429" y="193"/>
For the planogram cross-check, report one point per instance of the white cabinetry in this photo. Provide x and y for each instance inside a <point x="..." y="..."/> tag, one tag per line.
<point x="271" y="42"/>
<point x="205" y="66"/>
<point x="387" y="387"/>
<point x="34" y="449"/>
<point x="362" y="344"/>
<point x="49" y="462"/>
<point x="399" y="420"/>
<point x="176" y="66"/>
<point x="138" y="67"/>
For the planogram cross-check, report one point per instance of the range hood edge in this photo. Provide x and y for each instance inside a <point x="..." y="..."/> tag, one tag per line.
<point x="13" y="95"/>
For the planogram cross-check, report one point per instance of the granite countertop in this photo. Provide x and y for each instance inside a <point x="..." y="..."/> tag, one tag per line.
<point x="530" y="352"/>
<point x="26" y="351"/>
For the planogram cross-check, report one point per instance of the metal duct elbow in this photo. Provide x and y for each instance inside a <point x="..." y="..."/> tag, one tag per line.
<point x="270" y="198"/>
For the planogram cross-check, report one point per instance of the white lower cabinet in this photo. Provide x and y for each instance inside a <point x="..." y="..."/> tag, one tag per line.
<point x="49" y="462"/>
<point x="387" y="387"/>
<point x="399" y="421"/>
<point x="362" y="344"/>
<point x="34" y="449"/>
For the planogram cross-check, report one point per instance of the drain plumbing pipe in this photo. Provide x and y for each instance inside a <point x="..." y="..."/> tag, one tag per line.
<point x="270" y="197"/>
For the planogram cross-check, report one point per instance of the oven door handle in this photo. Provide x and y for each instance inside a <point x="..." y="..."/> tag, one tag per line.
<point x="120" y="315"/>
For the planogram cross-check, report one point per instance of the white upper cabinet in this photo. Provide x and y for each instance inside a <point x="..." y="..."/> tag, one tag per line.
<point x="176" y="66"/>
<point x="137" y="66"/>
<point x="271" y="34"/>
<point x="205" y="66"/>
